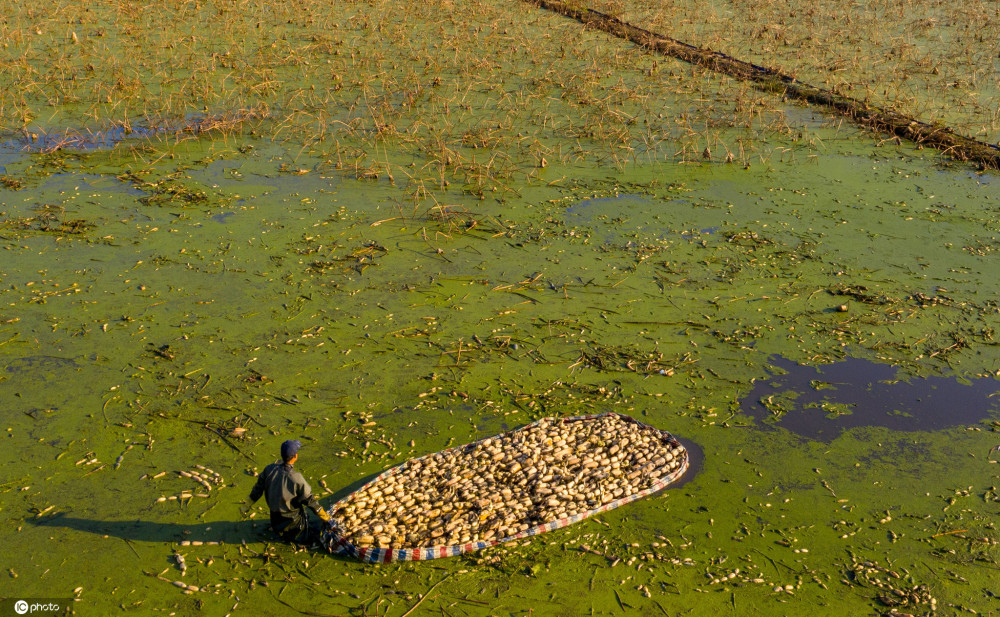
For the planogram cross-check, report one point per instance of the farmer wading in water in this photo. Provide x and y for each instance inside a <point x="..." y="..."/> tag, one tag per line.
<point x="287" y="495"/>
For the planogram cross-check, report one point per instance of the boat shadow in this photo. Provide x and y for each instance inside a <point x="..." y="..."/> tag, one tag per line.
<point x="696" y="459"/>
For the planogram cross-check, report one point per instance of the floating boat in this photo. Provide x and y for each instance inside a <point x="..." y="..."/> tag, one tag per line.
<point x="542" y="476"/>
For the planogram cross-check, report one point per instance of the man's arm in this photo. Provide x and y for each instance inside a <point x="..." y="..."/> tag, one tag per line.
<point x="258" y="488"/>
<point x="313" y="504"/>
<point x="307" y="498"/>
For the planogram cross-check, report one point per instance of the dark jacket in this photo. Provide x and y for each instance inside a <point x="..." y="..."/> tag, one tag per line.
<point x="287" y="494"/>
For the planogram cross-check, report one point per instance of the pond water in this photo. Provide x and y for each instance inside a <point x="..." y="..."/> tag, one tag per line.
<point x="447" y="228"/>
<point x="312" y="307"/>
<point x="821" y="402"/>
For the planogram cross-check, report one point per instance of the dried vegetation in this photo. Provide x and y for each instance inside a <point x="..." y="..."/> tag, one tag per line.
<point x="929" y="59"/>
<point x="481" y="97"/>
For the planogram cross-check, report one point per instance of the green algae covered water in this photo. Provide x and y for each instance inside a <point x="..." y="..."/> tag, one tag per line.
<point x="161" y="337"/>
<point x="186" y="304"/>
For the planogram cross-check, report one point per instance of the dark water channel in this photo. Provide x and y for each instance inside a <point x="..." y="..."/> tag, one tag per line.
<point x="821" y="402"/>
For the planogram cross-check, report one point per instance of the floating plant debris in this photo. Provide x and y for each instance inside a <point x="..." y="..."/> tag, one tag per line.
<point x="823" y="401"/>
<point x="546" y="475"/>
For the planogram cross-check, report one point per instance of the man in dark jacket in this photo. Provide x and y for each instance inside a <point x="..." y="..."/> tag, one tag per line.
<point x="287" y="494"/>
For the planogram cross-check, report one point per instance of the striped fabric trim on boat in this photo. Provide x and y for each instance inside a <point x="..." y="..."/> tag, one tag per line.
<point x="336" y="543"/>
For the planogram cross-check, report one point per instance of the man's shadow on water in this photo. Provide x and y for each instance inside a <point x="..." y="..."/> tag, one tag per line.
<point x="228" y="532"/>
<point x="234" y="532"/>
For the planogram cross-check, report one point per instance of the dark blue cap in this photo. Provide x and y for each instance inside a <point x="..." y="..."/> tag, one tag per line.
<point x="290" y="448"/>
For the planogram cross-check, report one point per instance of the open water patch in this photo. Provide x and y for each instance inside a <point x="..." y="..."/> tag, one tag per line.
<point x="221" y="217"/>
<point x="821" y="402"/>
<point x="75" y="139"/>
<point x="623" y="215"/>
<point x="587" y="210"/>
<point x="38" y="364"/>
<point x="38" y="139"/>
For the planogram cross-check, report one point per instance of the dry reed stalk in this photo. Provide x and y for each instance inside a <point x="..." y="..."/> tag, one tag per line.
<point x="943" y="138"/>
